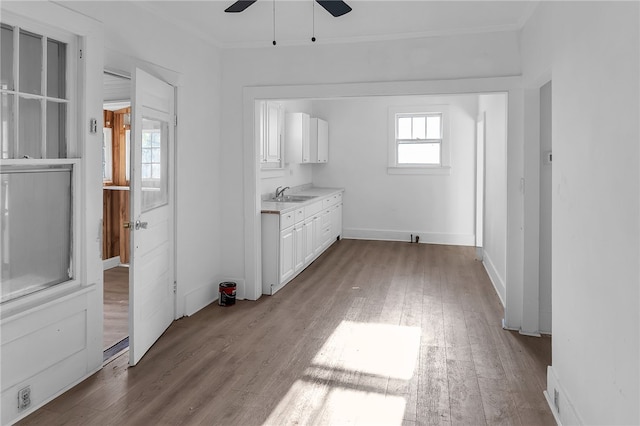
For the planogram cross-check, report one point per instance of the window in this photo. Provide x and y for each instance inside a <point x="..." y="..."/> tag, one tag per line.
<point x="37" y="175"/>
<point x="418" y="140"/>
<point x="151" y="155"/>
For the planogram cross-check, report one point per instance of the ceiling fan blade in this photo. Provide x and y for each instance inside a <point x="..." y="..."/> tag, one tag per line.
<point x="335" y="7"/>
<point x="239" y="6"/>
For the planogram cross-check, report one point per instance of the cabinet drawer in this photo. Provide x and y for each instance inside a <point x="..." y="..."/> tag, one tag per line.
<point x="328" y="201"/>
<point x="299" y="215"/>
<point x="286" y="220"/>
<point x="313" y="209"/>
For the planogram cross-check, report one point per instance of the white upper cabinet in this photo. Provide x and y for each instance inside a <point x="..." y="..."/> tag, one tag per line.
<point x="297" y="138"/>
<point x="319" y="140"/>
<point x="307" y="139"/>
<point x="271" y="118"/>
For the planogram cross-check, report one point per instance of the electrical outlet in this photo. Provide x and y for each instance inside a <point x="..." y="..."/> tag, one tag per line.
<point x="24" y="398"/>
<point x="556" y="400"/>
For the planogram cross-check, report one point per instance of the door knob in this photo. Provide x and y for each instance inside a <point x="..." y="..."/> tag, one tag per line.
<point x="141" y="225"/>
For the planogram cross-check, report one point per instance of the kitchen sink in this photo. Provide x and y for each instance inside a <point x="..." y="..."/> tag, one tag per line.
<point x="293" y="198"/>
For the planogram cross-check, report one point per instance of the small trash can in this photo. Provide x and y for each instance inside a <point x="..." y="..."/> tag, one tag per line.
<point x="227" y="293"/>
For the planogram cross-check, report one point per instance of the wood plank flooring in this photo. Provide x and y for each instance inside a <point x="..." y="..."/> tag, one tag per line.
<point x="116" y="305"/>
<point x="371" y="333"/>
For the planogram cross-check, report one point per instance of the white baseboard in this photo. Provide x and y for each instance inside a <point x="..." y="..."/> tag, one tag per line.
<point x="566" y="414"/>
<point x="494" y="276"/>
<point x="111" y="263"/>
<point x="425" y="237"/>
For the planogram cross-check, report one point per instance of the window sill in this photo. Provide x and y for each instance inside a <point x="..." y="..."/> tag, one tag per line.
<point x="408" y="170"/>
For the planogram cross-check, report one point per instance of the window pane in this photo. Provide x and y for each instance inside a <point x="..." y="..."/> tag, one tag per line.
<point x="7" y="125"/>
<point x="30" y="126"/>
<point x="146" y="155"/>
<point x="6" y="61"/>
<point x="418" y="128"/>
<point x="155" y="155"/>
<point x="433" y="127"/>
<point x="56" y="67"/>
<point x="155" y="187"/>
<point x="419" y="153"/>
<point x="146" y="171"/>
<point x="30" y="63"/>
<point x="56" y="126"/>
<point x="404" y="128"/>
<point x="36" y="230"/>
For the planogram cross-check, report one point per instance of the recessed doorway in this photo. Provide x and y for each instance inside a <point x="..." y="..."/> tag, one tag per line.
<point x="116" y="211"/>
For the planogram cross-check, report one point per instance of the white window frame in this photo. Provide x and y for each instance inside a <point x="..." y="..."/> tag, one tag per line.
<point x="393" y="167"/>
<point x="72" y="149"/>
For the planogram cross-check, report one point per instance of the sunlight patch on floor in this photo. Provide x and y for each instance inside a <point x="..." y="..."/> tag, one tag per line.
<point x="348" y="378"/>
<point x="378" y="349"/>
<point x="315" y="403"/>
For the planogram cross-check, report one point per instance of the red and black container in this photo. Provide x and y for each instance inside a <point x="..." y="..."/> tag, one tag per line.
<point x="227" y="293"/>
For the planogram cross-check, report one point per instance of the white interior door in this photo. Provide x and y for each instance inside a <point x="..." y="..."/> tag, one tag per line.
<point x="151" y="273"/>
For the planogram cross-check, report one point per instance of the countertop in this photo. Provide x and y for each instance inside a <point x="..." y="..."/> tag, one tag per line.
<point x="274" y="207"/>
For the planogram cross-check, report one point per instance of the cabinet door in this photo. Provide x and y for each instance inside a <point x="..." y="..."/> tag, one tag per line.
<point x="323" y="141"/>
<point x="273" y="133"/>
<point x="298" y="245"/>
<point x="309" y="248"/>
<point x="317" y="235"/>
<point x="337" y="221"/>
<point x="297" y="138"/>
<point x="287" y="254"/>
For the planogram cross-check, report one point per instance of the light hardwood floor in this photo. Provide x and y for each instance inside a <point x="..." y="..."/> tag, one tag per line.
<point x="371" y="333"/>
<point x="116" y="305"/>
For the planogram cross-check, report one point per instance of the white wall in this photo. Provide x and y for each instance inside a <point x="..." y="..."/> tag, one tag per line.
<point x="294" y="174"/>
<point x="593" y="53"/>
<point x="136" y="36"/>
<point x="469" y="56"/>
<point x="494" y="108"/>
<point x="438" y="208"/>
<point x="545" y="314"/>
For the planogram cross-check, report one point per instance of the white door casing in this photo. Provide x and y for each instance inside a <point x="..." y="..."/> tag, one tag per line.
<point x="151" y="273"/>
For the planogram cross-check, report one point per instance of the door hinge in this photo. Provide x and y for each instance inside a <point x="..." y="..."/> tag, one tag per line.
<point x="175" y="120"/>
<point x="175" y="287"/>
<point x="80" y="53"/>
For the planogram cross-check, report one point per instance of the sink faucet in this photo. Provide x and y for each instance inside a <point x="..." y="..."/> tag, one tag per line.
<point x="280" y="192"/>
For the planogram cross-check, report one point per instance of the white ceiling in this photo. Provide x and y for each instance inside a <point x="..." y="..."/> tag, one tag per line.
<point x="368" y="21"/>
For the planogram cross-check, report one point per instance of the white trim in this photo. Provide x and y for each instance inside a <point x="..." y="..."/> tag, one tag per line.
<point x="251" y="191"/>
<point x="111" y="263"/>
<point x="567" y="413"/>
<point x="394" y="235"/>
<point x="419" y="170"/>
<point x="494" y="276"/>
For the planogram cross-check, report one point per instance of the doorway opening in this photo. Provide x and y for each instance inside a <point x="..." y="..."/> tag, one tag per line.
<point x="116" y="211"/>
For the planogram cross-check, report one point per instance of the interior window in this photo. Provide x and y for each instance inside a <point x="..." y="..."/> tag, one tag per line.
<point x="36" y="201"/>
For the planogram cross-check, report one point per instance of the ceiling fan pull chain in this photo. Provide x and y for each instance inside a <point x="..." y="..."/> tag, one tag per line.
<point x="313" y="14"/>
<point x="274" y="22"/>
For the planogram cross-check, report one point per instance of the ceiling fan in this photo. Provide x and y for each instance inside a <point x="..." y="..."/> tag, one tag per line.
<point x="334" y="7"/>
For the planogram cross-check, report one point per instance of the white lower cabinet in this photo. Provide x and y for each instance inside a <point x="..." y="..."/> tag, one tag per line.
<point x="287" y="254"/>
<point x="292" y="240"/>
